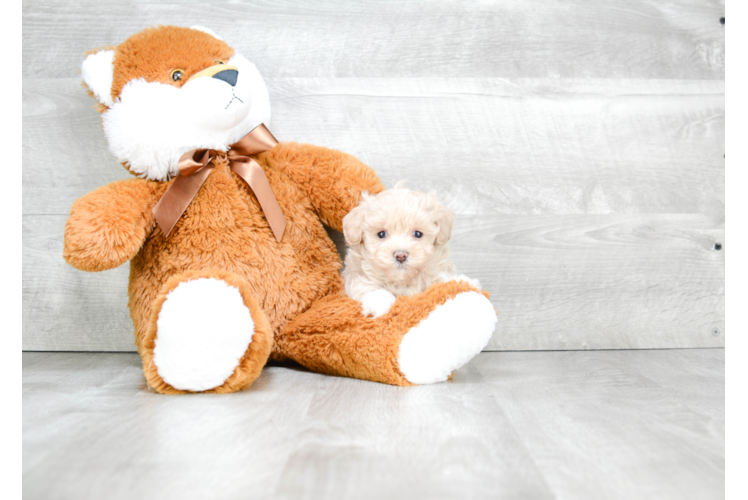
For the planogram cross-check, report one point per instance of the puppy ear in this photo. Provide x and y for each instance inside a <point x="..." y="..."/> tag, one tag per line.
<point x="443" y="218"/>
<point x="353" y="226"/>
<point x="98" y="73"/>
<point x="353" y="222"/>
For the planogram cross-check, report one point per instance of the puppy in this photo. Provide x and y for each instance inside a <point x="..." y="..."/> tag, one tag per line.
<point x="397" y="246"/>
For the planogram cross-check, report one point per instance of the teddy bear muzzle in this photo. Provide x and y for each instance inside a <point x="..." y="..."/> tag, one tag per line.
<point x="228" y="74"/>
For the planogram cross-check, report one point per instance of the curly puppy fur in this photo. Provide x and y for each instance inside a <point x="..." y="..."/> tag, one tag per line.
<point x="397" y="243"/>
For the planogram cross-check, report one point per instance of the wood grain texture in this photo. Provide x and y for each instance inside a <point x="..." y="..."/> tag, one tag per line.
<point x="558" y="282"/>
<point x="525" y="147"/>
<point x="65" y="153"/>
<point x="488" y="145"/>
<point x="543" y="425"/>
<point x="581" y="145"/>
<point x="65" y="309"/>
<point x="620" y="418"/>
<point x="427" y="38"/>
<point x="598" y="281"/>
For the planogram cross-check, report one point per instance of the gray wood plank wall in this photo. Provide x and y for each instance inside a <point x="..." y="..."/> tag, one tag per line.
<point x="580" y="143"/>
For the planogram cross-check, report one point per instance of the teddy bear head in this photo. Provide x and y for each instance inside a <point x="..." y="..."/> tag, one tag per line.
<point x="168" y="90"/>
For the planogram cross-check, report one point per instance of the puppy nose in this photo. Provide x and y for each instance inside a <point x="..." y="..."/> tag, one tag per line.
<point x="228" y="75"/>
<point x="401" y="255"/>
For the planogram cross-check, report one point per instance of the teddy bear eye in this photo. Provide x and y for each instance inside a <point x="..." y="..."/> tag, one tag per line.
<point x="417" y="234"/>
<point x="219" y="61"/>
<point x="176" y="75"/>
<point x="382" y="234"/>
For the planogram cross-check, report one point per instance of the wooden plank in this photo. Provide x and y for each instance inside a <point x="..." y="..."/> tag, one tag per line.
<point x="488" y="145"/>
<point x="378" y="439"/>
<point x="558" y="282"/>
<point x="429" y="38"/>
<point x="65" y="309"/>
<point x="623" y="424"/>
<point x="580" y="144"/>
<point x="598" y="281"/>
<point x="65" y="153"/>
<point x="525" y="147"/>
<point x="582" y="425"/>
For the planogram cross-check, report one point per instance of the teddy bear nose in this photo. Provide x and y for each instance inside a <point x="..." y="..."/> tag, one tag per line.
<point x="228" y="75"/>
<point x="401" y="255"/>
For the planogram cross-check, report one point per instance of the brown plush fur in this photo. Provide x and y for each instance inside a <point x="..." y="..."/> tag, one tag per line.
<point x="153" y="54"/>
<point x="333" y="337"/>
<point x="251" y="363"/>
<point x="292" y="288"/>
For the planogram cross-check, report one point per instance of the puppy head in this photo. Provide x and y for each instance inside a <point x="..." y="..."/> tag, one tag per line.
<point x="168" y="90"/>
<point x="398" y="232"/>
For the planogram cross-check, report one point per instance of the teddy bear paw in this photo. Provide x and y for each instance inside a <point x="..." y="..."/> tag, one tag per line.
<point x="203" y="330"/>
<point x="450" y="336"/>
<point x="377" y="303"/>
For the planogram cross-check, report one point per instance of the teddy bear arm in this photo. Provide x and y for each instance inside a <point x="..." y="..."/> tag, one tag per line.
<point x="108" y="226"/>
<point x="333" y="180"/>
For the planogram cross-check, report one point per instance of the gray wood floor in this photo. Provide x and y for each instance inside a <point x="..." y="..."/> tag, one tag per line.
<point x="527" y="425"/>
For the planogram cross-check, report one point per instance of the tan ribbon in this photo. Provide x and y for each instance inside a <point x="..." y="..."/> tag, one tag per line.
<point x="193" y="173"/>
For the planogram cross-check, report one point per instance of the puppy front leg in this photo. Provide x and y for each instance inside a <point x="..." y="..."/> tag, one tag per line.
<point x="377" y="302"/>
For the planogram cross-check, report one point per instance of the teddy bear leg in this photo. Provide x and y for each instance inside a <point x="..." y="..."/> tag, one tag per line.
<point x="207" y="334"/>
<point x="422" y="339"/>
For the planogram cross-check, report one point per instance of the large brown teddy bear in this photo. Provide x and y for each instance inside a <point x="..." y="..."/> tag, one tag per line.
<point x="219" y="281"/>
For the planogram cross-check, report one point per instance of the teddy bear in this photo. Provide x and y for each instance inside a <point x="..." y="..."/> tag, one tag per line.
<point x="230" y="264"/>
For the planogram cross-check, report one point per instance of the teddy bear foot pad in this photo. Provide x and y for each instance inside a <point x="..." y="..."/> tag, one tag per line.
<point x="204" y="329"/>
<point x="449" y="337"/>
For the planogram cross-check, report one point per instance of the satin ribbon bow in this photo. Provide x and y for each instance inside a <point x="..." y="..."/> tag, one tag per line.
<point x="193" y="172"/>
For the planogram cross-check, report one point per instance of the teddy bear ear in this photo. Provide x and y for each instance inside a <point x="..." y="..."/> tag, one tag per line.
<point x="98" y="73"/>
<point x="206" y="30"/>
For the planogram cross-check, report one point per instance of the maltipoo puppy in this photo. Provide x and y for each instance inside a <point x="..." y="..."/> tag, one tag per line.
<point x="397" y="246"/>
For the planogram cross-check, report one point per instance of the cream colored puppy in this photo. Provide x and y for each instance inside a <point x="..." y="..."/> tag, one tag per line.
<point x="397" y="246"/>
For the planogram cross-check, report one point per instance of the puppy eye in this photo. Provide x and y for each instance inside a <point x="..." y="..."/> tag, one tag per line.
<point x="219" y="61"/>
<point x="382" y="234"/>
<point x="417" y="234"/>
<point x="176" y="75"/>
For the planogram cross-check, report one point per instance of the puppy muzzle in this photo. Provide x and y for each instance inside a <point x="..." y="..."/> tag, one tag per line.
<point x="401" y="256"/>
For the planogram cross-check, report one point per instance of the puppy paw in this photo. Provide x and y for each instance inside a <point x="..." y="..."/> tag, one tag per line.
<point x="470" y="281"/>
<point x="377" y="303"/>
